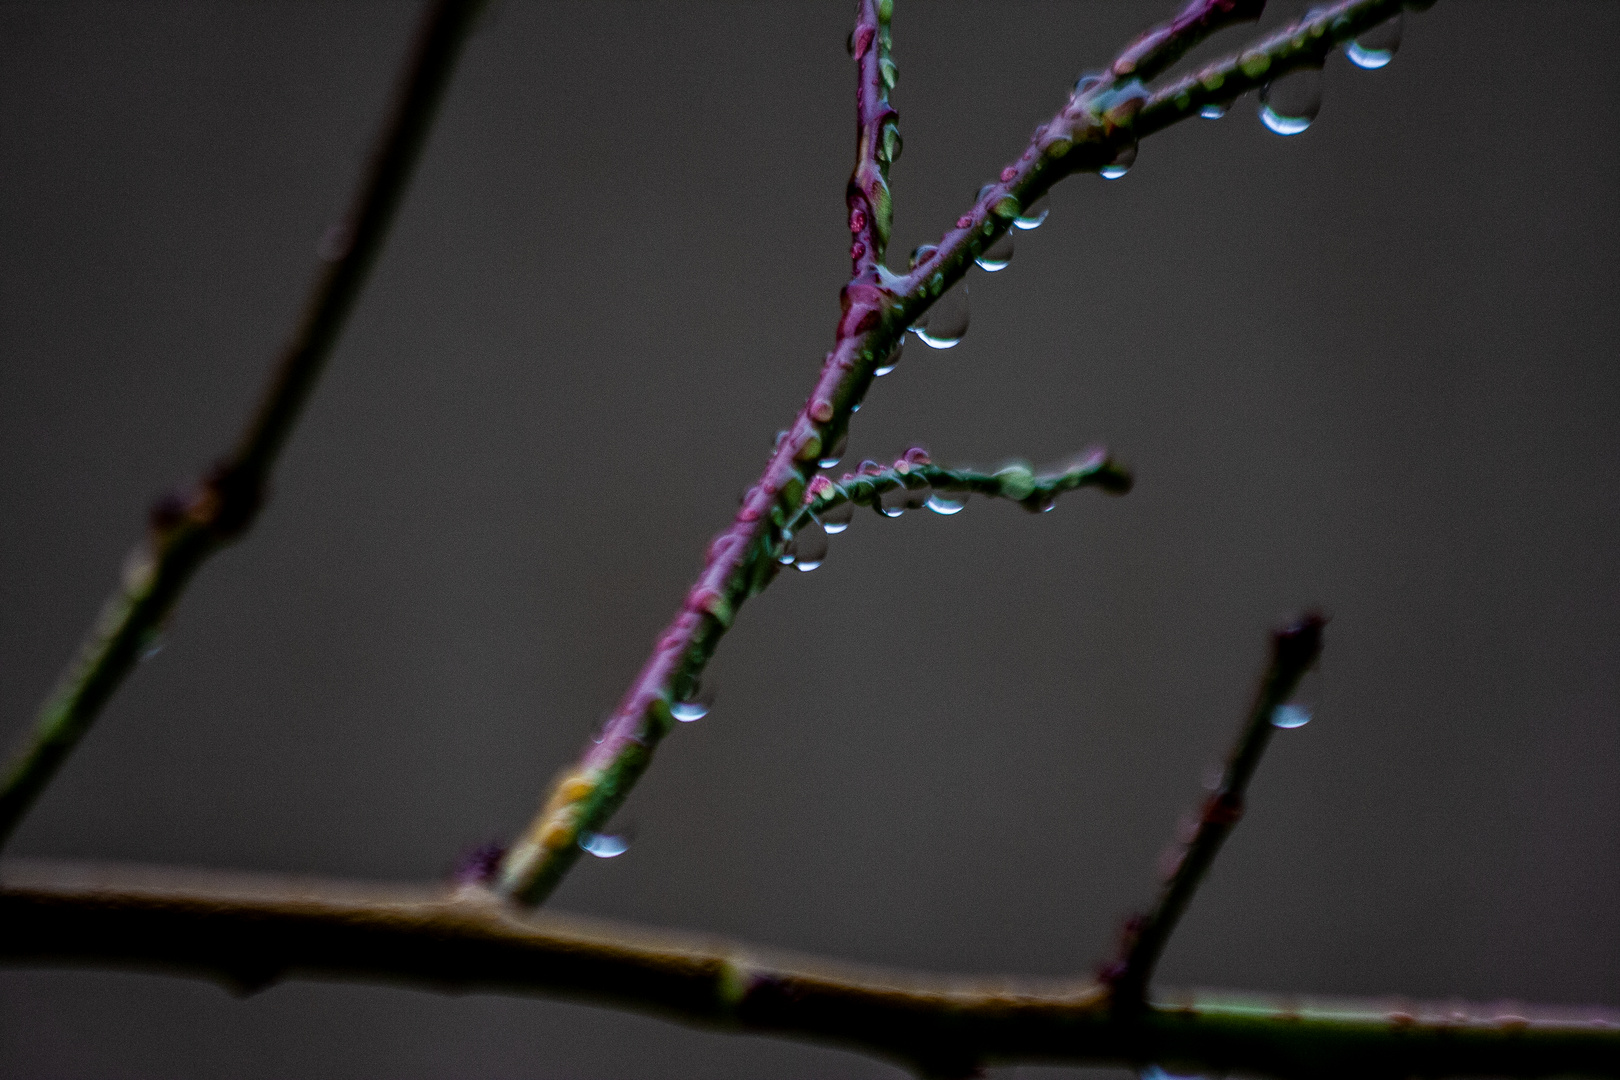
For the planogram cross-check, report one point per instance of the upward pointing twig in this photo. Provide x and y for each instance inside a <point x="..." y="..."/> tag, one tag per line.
<point x="877" y="137"/>
<point x="1294" y="650"/>
<point x="187" y="528"/>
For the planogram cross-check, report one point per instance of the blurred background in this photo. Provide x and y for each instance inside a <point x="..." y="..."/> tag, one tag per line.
<point x="1371" y="367"/>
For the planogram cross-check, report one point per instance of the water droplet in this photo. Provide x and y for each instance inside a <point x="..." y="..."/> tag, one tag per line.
<point x="810" y="546"/>
<point x="1155" y="1072"/>
<point x="947" y="502"/>
<point x="1290" y="716"/>
<point x="1377" y="46"/>
<point x="997" y="255"/>
<point x="1032" y="216"/>
<point x="604" y="845"/>
<point x="832" y="457"/>
<point x="1215" y="110"/>
<point x="837" y="519"/>
<point x="1087" y="81"/>
<point x="151" y="645"/>
<point x="921" y="253"/>
<point x="1120" y="165"/>
<point x="1288" y="105"/>
<point x="694" y="706"/>
<point x="892" y="503"/>
<point x="946" y="323"/>
<point x="888" y="363"/>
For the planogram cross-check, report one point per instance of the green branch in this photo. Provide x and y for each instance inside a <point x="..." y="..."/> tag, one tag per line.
<point x="186" y="528"/>
<point x="250" y="932"/>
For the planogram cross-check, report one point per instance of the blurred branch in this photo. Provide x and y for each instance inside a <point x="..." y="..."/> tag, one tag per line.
<point x="1294" y="650"/>
<point x="186" y="528"/>
<point x="249" y="932"/>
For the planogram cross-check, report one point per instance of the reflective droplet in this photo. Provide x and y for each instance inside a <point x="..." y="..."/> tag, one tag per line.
<point x="1290" y="716"/>
<point x="1032" y="216"/>
<point x="997" y="255"/>
<point x="1087" y="81"/>
<point x="604" y="845"/>
<point x="832" y="457"/>
<point x="1377" y="46"/>
<point x="916" y="498"/>
<point x="837" y="519"/>
<point x="810" y="546"/>
<point x="1288" y="105"/>
<point x="946" y="323"/>
<point x="892" y="503"/>
<point x="1155" y="1072"/>
<point x="947" y="502"/>
<point x="921" y="253"/>
<point x="1215" y="110"/>
<point x="152" y="645"/>
<point x="1120" y="165"/>
<point x="890" y="362"/>
<point x="694" y="706"/>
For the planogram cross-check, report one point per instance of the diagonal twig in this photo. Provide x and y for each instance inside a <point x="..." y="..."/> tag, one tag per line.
<point x="187" y="528"/>
<point x="250" y="931"/>
<point x="1294" y="650"/>
<point x="915" y="472"/>
<point x="1094" y="126"/>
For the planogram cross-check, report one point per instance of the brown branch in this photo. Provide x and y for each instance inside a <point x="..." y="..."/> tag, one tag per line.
<point x="250" y="931"/>
<point x="188" y="527"/>
<point x="1294" y="650"/>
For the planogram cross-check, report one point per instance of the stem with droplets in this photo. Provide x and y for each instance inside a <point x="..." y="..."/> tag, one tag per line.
<point x="1086" y="134"/>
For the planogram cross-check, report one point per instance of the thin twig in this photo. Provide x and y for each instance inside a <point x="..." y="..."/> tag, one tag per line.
<point x="1095" y="124"/>
<point x="187" y="528"/>
<point x="1294" y="650"/>
<point x="877" y="137"/>
<point x="249" y="932"/>
<point x="1017" y="483"/>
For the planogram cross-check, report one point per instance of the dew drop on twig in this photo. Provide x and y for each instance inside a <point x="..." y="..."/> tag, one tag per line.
<point x="1120" y="165"/>
<point x="947" y="503"/>
<point x="944" y="324"/>
<point x="997" y="255"/>
<point x="1377" y="47"/>
<point x="1291" y="103"/>
<point x="1290" y="716"/>
<point x="694" y="706"/>
<point x="837" y="519"/>
<point x="604" y="845"/>
<point x="1032" y="215"/>
<point x="810" y="546"/>
<point x="888" y="363"/>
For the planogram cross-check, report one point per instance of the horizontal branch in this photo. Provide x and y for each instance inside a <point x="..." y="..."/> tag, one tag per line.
<point x="250" y="931"/>
<point x="915" y="472"/>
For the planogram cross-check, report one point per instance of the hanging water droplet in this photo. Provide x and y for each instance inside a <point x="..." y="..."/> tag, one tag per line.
<point x="837" y="519"/>
<point x="921" y="253"/>
<point x="947" y="502"/>
<point x="1120" y="165"/>
<point x="830" y="458"/>
<point x="892" y="503"/>
<point x="1377" y="46"/>
<point x="604" y="845"/>
<point x="997" y="255"/>
<point x="151" y="645"/>
<point x="916" y="498"/>
<point x="1032" y="215"/>
<point x="945" y="324"/>
<point x="1215" y="110"/>
<point x="1155" y="1072"/>
<point x="694" y="706"/>
<point x="890" y="362"/>
<point x="789" y="550"/>
<point x="1290" y="716"/>
<point x="1288" y="105"/>
<point x="810" y="546"/>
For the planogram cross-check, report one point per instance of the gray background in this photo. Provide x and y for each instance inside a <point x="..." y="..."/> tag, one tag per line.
<point x="1371" y="367"/>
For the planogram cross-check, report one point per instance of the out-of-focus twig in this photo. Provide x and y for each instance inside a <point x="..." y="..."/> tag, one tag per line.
<point x="1294" y="648"/>
<point x="188" y="527"/>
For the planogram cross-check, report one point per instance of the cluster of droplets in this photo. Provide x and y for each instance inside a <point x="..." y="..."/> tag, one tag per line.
<point x="1290" y="104"/>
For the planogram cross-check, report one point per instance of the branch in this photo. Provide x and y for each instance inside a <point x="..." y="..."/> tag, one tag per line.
<point x="187" y="528"/>
<point x="1294" y="650"/>
<point x="249" y="931"/>
<point x="1093" y="127"/>
<point x="915" y="473"/>
<point x="877" y="137"/>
